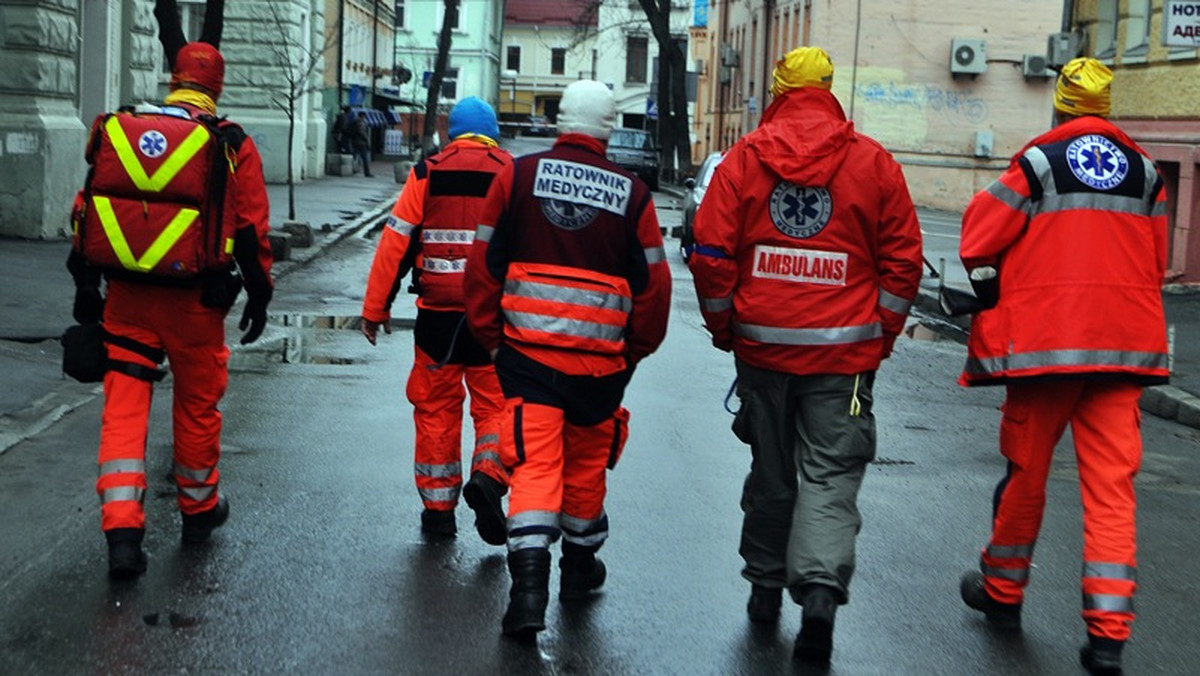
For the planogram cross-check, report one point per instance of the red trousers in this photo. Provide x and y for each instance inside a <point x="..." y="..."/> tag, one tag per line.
<point x="193" y="337"/>
<point x="1106" y="427"/>
<point x="437" y="396"/>
<point x="558" y="477"/>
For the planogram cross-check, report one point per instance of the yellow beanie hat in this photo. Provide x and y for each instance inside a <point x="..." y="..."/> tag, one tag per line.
<point x="1084" y="88"/>
<point x="803" y="67"/>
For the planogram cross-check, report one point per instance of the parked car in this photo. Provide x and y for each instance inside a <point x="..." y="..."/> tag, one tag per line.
<point x="539" y="125"/>
<point x="632" y="150"/>
<point x="696" y="188"/>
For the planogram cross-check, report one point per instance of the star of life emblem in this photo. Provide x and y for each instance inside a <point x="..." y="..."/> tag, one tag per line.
<point x="800" y="211"/>
<point x="1097" y="162"/>
<point x="568" y="215"/>
<point x="152" y="144"/>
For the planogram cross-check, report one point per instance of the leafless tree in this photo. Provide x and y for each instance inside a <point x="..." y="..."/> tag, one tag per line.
<point x="295" y="57"/>
<point x="439" y="72"/>
<point x="673" y="126"/>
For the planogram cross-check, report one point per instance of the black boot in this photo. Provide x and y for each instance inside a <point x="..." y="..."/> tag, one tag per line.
<point x="482" y="494"/>
<point x="530" y="593"/>
<point x="764" y="603"/>
<point x="1101" y="656"/>
<point x="814" y="643"/>
<point x="1000" y="615"/>
<point x="197" y="527"/>
<point x="582" y="572"/>
<point x="126" y="560"/>
<point x="438" y="523"/>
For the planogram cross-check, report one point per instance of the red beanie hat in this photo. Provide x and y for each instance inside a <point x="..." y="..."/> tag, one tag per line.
<point x="199" y="63"/>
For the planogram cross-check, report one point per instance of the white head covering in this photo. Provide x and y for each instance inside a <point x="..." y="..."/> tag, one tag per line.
<point x="587" y="107"/>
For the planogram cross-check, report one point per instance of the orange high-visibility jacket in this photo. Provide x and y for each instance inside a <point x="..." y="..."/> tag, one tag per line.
<point x="441" y="200"/>
<point x="1077" y="229"/>
<point x="568" y="265"/>
<point x="808" y="250"/>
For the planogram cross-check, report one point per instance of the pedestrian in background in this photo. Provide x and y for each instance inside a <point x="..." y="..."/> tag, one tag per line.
<point x="568" y="287"/>
<point x="342" y="127"/>
<point x="360" y="141"/>
<point x="164" y="298"/>
<point x="1070" y="246"/>
<point x="430" y="231"/>
<point x="807" y="258"/>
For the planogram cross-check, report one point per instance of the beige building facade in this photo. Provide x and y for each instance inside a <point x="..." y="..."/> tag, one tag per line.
<point x="944" y="85"/>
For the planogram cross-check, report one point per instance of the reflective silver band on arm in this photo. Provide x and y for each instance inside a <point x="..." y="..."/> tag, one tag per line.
<point x="483" y="233"/>
<point x="890" y="301"/>
<point x="716" y="304"/>
<point x="655" y="254"/>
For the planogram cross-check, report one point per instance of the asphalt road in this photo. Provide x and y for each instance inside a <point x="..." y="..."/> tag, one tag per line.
<point x="322" y="569"/>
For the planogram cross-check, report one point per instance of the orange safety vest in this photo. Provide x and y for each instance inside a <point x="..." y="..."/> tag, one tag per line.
<point x="154" y="203"/>
<point x="565" y="307"/>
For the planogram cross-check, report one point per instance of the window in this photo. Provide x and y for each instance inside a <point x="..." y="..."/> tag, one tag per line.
<point x="558" y="61"/>
<point x="636" y="58"/>
<point x="400" y="15"/>
<point x="1106" y="29"/>
<point x="512" y="58"/>
<point x="191" y="20"/>
<point x="450" y="83"/>
<point x="1137" y="32"/>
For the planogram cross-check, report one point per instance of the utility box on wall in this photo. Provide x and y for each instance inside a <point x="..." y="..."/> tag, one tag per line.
<point x="968" y="56"/>
<point x="985" y="143"/>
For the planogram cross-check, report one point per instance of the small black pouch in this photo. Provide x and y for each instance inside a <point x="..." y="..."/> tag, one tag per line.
<point x="220" y="289"/>
<point x="84" y="356"/>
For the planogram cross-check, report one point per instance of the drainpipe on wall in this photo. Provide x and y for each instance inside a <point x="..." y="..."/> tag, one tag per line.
<point x="374" y="49"/>
<point x="1069" y="15"/>
<point x="341" y="56"/>
<point x="854" y="66"/>
<point x="768" y="63"/>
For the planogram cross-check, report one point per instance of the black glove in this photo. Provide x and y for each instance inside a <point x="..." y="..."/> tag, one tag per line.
<point x="254" y="316"/>
<point x="89" y="305"/>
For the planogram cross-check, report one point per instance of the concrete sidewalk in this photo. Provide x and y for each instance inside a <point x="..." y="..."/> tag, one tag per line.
<point x="35" y="304"/>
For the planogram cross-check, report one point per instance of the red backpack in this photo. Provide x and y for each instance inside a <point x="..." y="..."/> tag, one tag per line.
<point x="154" y="204"/>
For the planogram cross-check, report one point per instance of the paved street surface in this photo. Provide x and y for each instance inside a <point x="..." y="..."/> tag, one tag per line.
<point x="321" y="568"/>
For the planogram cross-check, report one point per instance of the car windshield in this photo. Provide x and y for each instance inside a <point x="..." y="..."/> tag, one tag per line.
<point x="627" y="138"/>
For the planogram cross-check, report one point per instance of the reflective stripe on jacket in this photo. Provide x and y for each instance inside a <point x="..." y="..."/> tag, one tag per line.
<point x="564" y="307"/>
<point x="1077" y="228"/>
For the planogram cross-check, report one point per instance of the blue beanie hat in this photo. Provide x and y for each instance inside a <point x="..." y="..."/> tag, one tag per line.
<point x="473" y="115"/>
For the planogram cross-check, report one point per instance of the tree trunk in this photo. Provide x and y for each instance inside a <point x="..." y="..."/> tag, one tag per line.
<point x="435" y="79"/>
<point x="291" y="183"/>
<point x="673" y="134"/>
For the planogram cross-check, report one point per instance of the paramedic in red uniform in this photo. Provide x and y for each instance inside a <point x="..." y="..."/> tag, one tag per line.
<point x="147" y="319"/>
<point x="1070" y="245"/>
<point x="807" y="259"/>
<point x="431" y="230"/>
<point x="569" y="288"/>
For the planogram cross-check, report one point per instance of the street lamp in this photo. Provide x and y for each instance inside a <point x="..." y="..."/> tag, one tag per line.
<point x="511" y="76"/>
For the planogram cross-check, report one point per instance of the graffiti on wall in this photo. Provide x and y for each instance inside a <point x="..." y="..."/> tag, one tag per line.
<point x="956" y="105"/>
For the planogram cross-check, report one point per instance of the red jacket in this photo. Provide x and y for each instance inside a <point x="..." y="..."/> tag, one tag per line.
<point x="568" y="264"/>
<point x="443" y="196"/>
<point x="1077" y="229"/>
<point x="808" y="250"/>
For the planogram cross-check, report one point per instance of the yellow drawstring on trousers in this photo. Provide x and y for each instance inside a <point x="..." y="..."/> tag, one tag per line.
<point x="855" y="404"/>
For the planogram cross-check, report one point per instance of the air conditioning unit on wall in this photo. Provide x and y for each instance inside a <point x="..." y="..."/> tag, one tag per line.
<point x="730" y="56"/>
<point x="968" y="56"/>
<point x="1035" y="66"/>
<point x="1062" y="47"/>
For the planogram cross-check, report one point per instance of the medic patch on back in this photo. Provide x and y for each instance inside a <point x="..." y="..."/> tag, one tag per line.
<point x="152" y="144"/>
<point x="800" y="265"/>
<point x="573" y="194"/>
<point x="800" y="211"/>
<point x="1097" y="162"/>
